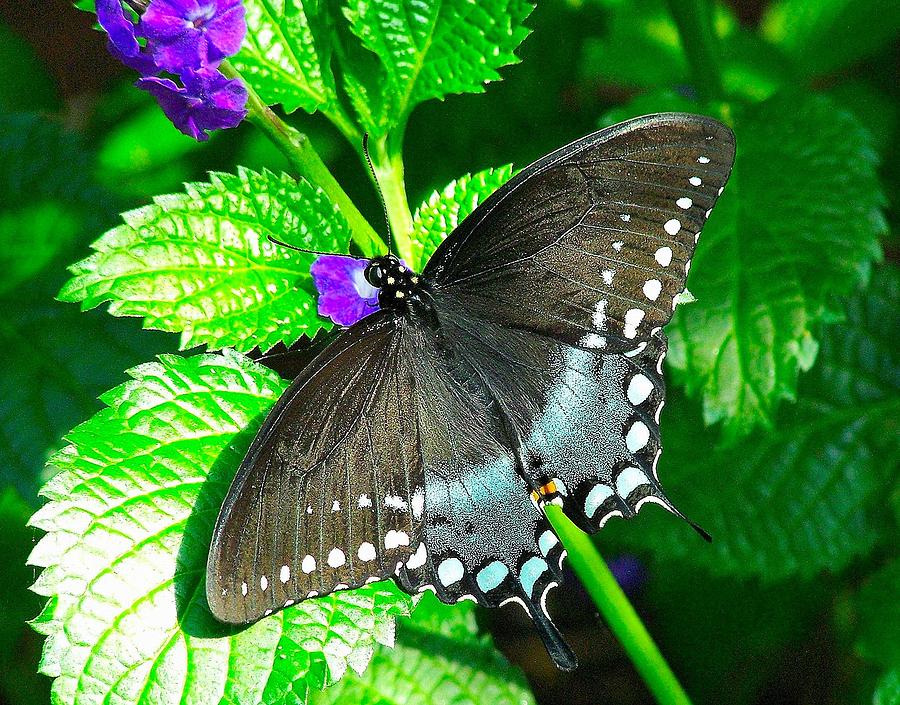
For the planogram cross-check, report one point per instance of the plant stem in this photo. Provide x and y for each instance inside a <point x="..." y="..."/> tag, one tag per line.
<point x="388" y="167"/>
<point x="307" y="163"/>
<point x="694" y="21"/>
<point x="617" y="611"/>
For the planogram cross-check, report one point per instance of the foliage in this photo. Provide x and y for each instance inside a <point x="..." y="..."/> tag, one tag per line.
<point x="175" y="262"/>
<point x="128" y="522"/>
<point x="780" y="433"/>
<point x="439" y="658"/>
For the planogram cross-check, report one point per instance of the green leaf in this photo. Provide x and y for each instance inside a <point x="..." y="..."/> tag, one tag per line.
<point x="641" y="47"/>
<point x="286" y="54"/>
<point x="47" y="195"/>
<point x="429" y="49"/>
<point x="19" y="682"/>
<point x="26" y="84"/>
<point x="823" y="36"/>
<point x="439" y="658"/>
<point x="57" y="361"/>
<point x="443" y="210"/>
<point x="878" y="607"/>
<point x="807" y="495"/>
<point x="200" y="263"/>
<point x="129" y="519"/>
<point x="141" y="151"/>
<point x="888" y="690"/>
<point x="798" y="226"/>
<point x="32" y="236"/>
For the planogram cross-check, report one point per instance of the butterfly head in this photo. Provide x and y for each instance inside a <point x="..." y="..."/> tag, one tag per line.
<point x="396" y="283"/>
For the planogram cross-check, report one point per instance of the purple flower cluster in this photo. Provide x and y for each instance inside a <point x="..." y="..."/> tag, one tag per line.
<point x="188" y="39"/>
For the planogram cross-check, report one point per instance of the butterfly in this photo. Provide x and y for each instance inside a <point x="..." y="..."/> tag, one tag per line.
<point x="522" y="366"/>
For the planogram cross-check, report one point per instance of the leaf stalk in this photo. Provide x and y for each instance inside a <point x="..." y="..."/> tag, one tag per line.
<point x="389" y="173"/>
<point x="307" y="163"/>
<point x="617" y="611"/>
<point x="698" y="40"/>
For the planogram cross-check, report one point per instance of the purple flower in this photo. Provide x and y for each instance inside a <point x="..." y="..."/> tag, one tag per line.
<point x="629" y="572"/>
<point x="123" y="43"/>
<point x="208" y="101"/>
<point x="344" y="294"/>
<point x="192" y="34"/>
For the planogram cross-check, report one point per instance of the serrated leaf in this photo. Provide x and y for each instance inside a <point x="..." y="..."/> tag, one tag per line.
<point x="286" y="53"/>
<point x="807" y="495"/>
<point x="429" y="49"/>
<point x="200" y="262"/>
<point x="443" y="210"/>
<point x="878" y="608"/>
<point x="777" y="251"/>
<point x="128" y="523"/>
<point x="822" y="36"/>
<point x="439" y="658"/>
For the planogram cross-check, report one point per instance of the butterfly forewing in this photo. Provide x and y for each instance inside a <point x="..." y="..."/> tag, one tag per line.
<point x="331" y="492"/>
<point x="592" y="244"/>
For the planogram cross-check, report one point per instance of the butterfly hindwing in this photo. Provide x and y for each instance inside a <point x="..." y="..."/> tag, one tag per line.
<point x="592" y="243"/>
<point x="326" y="497"/>
<point x="484" y="539"/>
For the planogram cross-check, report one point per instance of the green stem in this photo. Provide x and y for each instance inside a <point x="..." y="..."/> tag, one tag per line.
<point x="307" y="163"/>
<point x="388" y="166"/>
<point x="617" y="611"/>
<point x="694" y="21"/>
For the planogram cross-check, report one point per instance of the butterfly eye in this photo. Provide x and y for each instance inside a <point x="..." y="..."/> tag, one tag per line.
<point x="375" y="275"/>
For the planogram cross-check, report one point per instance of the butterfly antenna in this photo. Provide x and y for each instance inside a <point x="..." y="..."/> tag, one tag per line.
<point x="387" y="221"/>
<point x="282" y="243"/>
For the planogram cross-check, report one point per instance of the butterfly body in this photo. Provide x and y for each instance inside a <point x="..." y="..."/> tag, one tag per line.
<point x="522" y="366"/>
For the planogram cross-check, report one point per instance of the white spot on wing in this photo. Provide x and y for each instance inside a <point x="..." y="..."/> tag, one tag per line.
<point x="663" y="256"/>
<point x="547" y="541"/>
<point x="617" y="245"/>
<point x="599" y="317"/>
<point x="639" y="389"/>
<point x="652" y="289"/>
<point x="364" y="501"/>
<point x="418" y="502"/>
<point x="418" y="558"/>
<point x="263" y="583"/>
<point x="393" y="539"/>
<point x="336" y="558"/>
<point x="684" y="203"/>
<point x="703" y="160"/>
<point x="633" y="318"/>
<point x="450" y="571"/>
<point x="395" y="502"/>
<point x="308" y="565"/>
<point x="592" y="340"/>
<point x="243" y="588"/>
<point x="629" y="480"/>
<point x="608" y="275"/>
<point x="672" y="226"/>
<point x="285" y="573"/>
<point x="637" y="436"/>
<point x="695" y="181"/>
<point x="625" y="217"/>
<point x="335" y="506"/>
<point x="366" y="552"/>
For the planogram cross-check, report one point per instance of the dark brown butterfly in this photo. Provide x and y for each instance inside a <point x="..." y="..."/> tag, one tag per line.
<point x="523" y="366"/>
